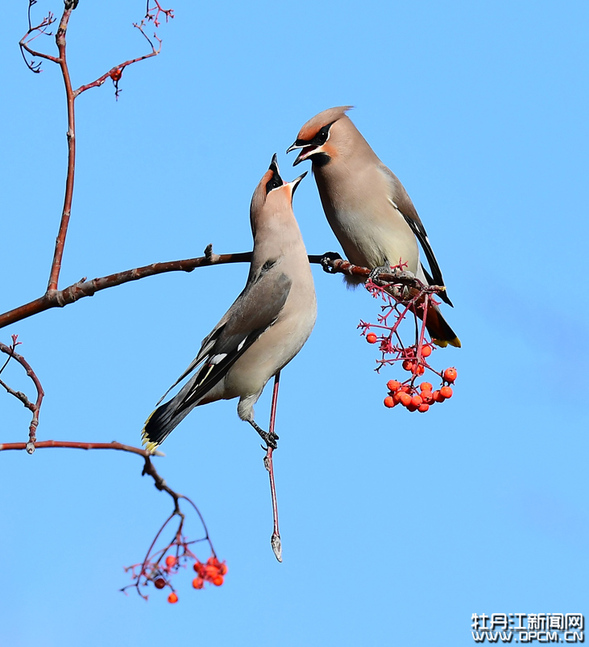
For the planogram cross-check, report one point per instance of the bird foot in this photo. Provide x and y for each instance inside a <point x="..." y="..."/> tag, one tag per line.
<point x="269" y="438"/>
<point x="377" y="271"/>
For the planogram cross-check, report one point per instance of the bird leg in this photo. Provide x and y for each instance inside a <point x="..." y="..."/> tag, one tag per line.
<point x="269" y="438"/>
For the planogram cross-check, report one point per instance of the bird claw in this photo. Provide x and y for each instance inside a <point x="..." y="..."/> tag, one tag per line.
<point x="269" y="439"/>
<point x="327" y="259"/>
<point x="377" y="271"/>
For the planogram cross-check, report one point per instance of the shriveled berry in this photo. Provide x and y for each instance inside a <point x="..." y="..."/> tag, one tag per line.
<point x="446" y="392"/>
<point x="172" y="598"/>
<point x="159" y="583"/>
<point x="450" y="374"/>
<point x="389" y="402"/>
<point x="371" y="338"/>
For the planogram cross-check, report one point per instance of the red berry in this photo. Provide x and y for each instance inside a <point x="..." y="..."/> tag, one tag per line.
<point x="427" y="397"/>
<point x="389" y="402"/>
<point x="172" y="598"/>
<point x="416" y="401"/>
<point x="116" y="74"/>
<point x="405" y="399"/>
<point x="223" y="569"/>
<point x="407" y="365"/>
<point x="170" y="561"/>
<point x="438" y="397"/>
<point x="159" y="583"/>
<point x="198" y="583"/>
<point x="422" y="408"/>
<point x="450" y="374"/>
<point x="393" y="385"/>
<point x="426" y="351"/>
<point x="425" y="386"/>
<point x="411" y="407"/>
<point x="218" y="580"/>
<point x="418" y="369"/>
<point x="446" y="392"/>
<point x="371" y="338"/>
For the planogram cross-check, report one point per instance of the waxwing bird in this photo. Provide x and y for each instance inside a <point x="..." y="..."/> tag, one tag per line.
<point x="367" y="207"/>
<point x="265" y="327"/>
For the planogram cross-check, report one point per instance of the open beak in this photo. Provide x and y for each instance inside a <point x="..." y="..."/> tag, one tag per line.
<point x="306" y="151"/>
<point x="295" y="183"/>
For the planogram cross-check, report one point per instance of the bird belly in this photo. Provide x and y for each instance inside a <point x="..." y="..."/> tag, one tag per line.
<point x="272" y="351"/>
<point x="376" y="241"/>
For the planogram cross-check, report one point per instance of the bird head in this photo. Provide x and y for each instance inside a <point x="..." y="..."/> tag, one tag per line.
<point x="314" y="137"/>
<point x="273" y="192"/>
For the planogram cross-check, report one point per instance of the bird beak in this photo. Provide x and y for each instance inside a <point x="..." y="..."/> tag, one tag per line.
<point x="304" y="154"/>
<point x="274" y="165"/>
<point x="295" y="183"/>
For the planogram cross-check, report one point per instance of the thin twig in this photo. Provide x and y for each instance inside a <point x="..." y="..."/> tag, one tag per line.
<point x="275" y="540"/>
<point x="34" y="408"/>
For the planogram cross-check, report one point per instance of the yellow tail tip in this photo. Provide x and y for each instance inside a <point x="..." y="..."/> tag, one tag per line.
<point x="442" y="343"/>
<point x="149" y="445"/>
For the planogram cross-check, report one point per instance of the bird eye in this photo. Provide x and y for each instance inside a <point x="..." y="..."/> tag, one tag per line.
<point x="321" y="137"/>
<point x="273" y="183"/>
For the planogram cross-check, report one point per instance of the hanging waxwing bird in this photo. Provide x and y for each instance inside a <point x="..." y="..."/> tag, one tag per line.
<point x="265" y="327"/>
<point x="367" y="207"/>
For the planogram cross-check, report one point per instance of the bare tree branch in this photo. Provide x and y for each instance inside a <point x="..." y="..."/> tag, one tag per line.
<point x="34" y="408"/>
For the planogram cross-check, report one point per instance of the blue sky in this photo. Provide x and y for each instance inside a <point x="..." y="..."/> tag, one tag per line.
<point x="396" y="527"/>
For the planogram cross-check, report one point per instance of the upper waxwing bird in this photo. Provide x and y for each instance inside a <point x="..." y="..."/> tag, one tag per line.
<point x="265" y="327"/>
<point x="367" y="207"/>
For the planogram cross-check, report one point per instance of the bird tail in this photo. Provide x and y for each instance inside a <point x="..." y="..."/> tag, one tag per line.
<point x="163" y="421"/>
<point x="439" y="329"/>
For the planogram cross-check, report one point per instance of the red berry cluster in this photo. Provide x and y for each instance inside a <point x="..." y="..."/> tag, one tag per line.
<point x="213" y="571"/>
<point x="414" y="399"/>
<point x="159" y="573"/>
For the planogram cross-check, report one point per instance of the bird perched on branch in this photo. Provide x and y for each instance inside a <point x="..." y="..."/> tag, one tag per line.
<point x="265" y="327"/>
<point x="367" y="207"/>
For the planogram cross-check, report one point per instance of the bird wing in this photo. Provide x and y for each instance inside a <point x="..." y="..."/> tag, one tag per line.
<point x="254" y="311"/>
<point x="402" y="202"/>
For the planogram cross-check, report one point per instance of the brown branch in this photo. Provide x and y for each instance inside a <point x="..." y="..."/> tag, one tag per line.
<point x="34" y="408"/>
<point x="333" y="263"/>
<point x="71" y="95"/>
<point x="116" y="72"/>
<point x="41" y="28"/>
<point x="71" y="146"/>
<point x="66" y="444"/>
<point x="84" y="288"/>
